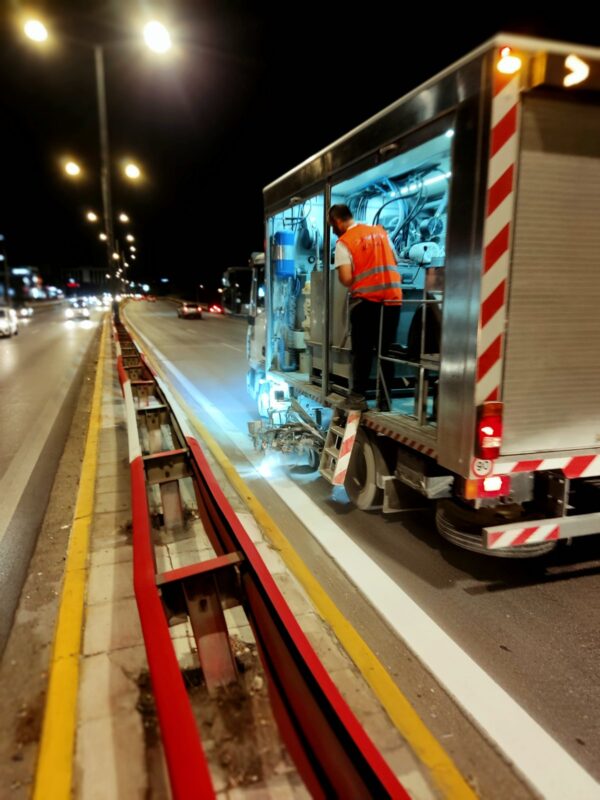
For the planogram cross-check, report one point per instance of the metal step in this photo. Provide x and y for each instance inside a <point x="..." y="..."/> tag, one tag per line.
<point x="327" y="474"/>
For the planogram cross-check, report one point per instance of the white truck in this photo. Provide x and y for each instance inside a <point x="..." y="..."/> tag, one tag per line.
<point x="487" y="179"/>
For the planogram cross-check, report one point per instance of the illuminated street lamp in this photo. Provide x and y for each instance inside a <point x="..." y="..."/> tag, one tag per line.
<point x="35" y="30"/>
<point x="130" y="237"/>
<point x="132" y="171"/>
<point x="91" y="216"/>
<point x="157" y="37"/>
<point x="115" y="256"/>
<point x="103" y="237"/>
<point x="123" y="217"/>
<point x="133" y="248"/>
<point x="72" y="168"/>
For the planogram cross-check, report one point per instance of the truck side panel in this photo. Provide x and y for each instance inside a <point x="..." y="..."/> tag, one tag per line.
<point x="551" y="387"/>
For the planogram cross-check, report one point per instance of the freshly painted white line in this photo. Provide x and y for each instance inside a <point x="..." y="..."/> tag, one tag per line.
<point x="536" y="755"/>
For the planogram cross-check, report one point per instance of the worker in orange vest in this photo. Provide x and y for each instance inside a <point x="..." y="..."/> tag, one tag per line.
<point x="367" y="266"/>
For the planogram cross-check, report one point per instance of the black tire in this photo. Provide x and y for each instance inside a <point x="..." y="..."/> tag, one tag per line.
<point x="314" y="459"/>
<point x="463" y="526"/>
<point x="361" y="477"/>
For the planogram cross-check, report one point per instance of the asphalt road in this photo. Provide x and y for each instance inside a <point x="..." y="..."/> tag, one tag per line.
<point x="532" y="625"/>
<point x="39" y="372"/>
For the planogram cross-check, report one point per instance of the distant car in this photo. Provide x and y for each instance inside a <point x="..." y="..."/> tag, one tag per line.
<point x="77" y="310"/>
<point x="215" y="308"/>
<point x="9" y="322"/>
<point x="189" y="310"/>
<point x="24" y="312"/>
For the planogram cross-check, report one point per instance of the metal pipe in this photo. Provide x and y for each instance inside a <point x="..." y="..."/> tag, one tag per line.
<point x="326" y="288"/>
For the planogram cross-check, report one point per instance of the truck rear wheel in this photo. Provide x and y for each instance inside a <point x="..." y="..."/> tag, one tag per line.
<point x="366" y="463"/>
<point x="464" y="526"/>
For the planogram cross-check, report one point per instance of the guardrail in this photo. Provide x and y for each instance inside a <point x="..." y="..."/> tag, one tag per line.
<point x="331" y="750"/>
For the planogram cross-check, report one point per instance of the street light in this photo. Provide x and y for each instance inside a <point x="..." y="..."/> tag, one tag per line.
<point x="133" y="248"/>
<point x="91" y="216"/>
<point x="115" y="256"/>
<point x="132" y="171"/>
<point x="123" y="218"/>
<point x="72" y="169"/>
<point x="130" y="237"/>
<point x="35" y="30"/>
<point x="157" y="37"/>
<point x="103" y="237"/>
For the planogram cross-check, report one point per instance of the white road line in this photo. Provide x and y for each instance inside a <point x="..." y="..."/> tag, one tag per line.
<point x="18" y="472"/>
<point x="533" y="752"/>
<point x="215" y="340"/>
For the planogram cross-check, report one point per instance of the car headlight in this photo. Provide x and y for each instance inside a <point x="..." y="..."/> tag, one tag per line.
<point x="69" y="313"/>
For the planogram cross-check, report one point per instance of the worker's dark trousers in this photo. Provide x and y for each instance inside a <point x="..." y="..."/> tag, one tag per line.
<point x="364" y="321"/>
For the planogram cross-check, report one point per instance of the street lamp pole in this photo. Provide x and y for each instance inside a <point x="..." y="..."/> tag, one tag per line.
<point x="104" y="160"/>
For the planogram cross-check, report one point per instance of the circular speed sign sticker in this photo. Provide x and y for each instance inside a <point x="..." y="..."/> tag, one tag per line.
<point x="481" y="467"/>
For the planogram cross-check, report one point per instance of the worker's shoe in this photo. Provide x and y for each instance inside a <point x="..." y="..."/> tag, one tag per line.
<point x="354" y="402"/>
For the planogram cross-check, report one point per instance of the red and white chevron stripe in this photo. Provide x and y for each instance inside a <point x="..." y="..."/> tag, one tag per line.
<point x="573" y="467"/>
<point x="497" y="235"/>
<point x="515" y="538"/>
<point x="398" y="437"/>
<point x="341" y="467"/>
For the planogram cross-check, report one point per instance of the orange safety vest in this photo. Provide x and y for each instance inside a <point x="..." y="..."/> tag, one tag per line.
<point x="375" y="273"/>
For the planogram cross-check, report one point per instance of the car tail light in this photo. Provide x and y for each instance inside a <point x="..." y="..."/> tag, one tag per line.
<point x="489" y="431"/>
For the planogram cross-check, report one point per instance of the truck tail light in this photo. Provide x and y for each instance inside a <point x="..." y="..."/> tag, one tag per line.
<point x="491" y="486"/>
<point x="508" y="62"/>
<point x="489" y="431"/>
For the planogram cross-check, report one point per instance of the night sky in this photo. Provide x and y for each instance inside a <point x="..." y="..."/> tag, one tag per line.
<point x="253" y="89"/>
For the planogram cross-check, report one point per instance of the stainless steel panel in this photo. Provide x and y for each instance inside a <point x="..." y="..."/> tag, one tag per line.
<point x="462" y="282"/>
<point x="317" y="307"/>
<point x="551" y="386"/>
<point x="340" y="321"/>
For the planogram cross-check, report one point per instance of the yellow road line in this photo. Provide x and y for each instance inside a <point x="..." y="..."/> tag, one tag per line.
<point x="432" y="755"/>
<point x="54" y="771"/>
